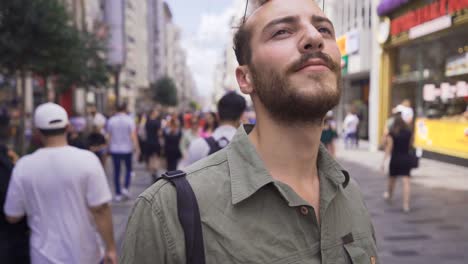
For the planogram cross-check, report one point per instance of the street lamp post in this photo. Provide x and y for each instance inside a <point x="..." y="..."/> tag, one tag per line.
<point x="117" y="69"/>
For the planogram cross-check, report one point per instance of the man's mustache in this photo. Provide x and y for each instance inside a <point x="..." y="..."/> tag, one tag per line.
<point x="302" y="61"/>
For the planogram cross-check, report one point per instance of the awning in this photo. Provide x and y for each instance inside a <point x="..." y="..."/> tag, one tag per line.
<point x="387" y="6"/>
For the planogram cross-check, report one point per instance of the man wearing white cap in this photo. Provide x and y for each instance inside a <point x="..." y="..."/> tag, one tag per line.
<point x="64" y="193"/>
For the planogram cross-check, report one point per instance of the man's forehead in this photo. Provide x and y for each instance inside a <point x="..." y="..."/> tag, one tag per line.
<point x="259" y="11"/>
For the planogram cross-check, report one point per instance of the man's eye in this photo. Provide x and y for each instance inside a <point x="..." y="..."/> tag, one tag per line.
<point x="280" y="32"/>
<point x="325" y="30"/>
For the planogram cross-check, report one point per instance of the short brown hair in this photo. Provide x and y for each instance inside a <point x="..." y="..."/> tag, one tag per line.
<point x="242" y="47"/>
<point x="243" y="35"/>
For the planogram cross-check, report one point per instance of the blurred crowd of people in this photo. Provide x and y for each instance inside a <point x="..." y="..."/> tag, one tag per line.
<point x="70" y="155"/>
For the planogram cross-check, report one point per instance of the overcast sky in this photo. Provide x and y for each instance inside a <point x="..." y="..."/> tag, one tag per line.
<point x="205" y="30"/>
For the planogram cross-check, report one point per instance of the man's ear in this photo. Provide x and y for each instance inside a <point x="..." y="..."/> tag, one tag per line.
<point x="244" y="79"/>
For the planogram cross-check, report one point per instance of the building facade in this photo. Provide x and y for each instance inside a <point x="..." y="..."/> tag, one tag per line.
<point x="157" y="42"/>
<point x="353" y="28"/>
<point x="135" y="72"/>
<point x="425" y="59"/>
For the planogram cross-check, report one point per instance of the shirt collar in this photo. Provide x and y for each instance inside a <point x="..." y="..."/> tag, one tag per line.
<point x="248" y="172"/>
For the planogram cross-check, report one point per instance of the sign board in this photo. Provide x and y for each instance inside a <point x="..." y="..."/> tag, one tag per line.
<point x="430" y="27"/>
<point x="341" y="41"/>
<point x="352" y="42"/>
<point x="384" y="30"/>
<point x="425" y="14"/>
<point x="443" y="136"/>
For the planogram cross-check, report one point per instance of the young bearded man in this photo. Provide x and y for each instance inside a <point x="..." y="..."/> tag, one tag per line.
<point x="274" y="195"/>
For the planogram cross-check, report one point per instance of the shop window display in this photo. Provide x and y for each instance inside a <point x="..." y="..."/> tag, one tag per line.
<point x="433" y="74"/>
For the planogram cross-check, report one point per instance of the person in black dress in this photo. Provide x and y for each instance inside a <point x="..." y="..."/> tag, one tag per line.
<point x="152" y="144"/>
<point x="398" y="149"/>
<point x="97" y="143"/>
<point x="14" y="238"/>
<point x="172" y="137"/>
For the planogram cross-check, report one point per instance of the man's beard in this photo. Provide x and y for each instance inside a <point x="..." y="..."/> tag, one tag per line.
<point x="287" y="104"/>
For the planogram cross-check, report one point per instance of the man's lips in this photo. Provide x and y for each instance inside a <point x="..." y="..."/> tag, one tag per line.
<point x="314" y="64"/>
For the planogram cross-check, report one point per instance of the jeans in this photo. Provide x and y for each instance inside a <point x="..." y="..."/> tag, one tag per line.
<point x="353" y="137"/>
<point x="117" y="159"/>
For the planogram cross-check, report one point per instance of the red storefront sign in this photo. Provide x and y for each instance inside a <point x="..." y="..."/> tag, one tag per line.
<point x="426" y="13"/>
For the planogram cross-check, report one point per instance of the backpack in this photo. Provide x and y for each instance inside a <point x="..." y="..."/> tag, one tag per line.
<point x="216" y="145"/>
<point x="189" y="217"/>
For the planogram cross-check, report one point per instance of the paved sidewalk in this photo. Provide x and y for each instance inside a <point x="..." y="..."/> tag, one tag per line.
<point x="121" y="210"/>
<point x="435" y="231"/>
<point x="431" y="173"/>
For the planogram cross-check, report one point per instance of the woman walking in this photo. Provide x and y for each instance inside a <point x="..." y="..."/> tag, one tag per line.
<point x="172" y="137"/>
<point x="401" y="161"/>
<point x="211" y="123"/>
<point x="153" y="145"/>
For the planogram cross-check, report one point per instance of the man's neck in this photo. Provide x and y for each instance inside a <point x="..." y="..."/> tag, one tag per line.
<point x="55" y="141"/>
<point x="288" y="151"/>
<point x="234" y="124"/>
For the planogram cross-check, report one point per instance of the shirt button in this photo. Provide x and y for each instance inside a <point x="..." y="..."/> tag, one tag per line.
<point x="304" y="210"/>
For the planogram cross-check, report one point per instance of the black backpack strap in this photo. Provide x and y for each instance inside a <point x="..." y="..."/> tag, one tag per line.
<point x="212" y="144"/>
<point x="346" y="182"/>
<point x="189" y="217"/>
<point x="216" y="145"/>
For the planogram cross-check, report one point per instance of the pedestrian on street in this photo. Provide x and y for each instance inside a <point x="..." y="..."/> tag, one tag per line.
<point x="274" y="195"/>
<point x="172" y="135"/>
<point x="97" y="143"/>
<point x="123" y="142"/>
<point x="153" y="132"/>
<point x="14" y="238"/>
<point x="329" y="133"/>
<point x="230" y="109"/>
<point x="407" y="113"/>
<point x="95" y="118"/>
<point x="64" y="193"/>
<point x="188" y="136"/>
<point x="211" y="123"/>
<point x="397" y="148"/>
<point x="351" y="124"/>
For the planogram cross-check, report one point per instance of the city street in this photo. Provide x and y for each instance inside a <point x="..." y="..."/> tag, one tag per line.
<point x="435" y="230"/>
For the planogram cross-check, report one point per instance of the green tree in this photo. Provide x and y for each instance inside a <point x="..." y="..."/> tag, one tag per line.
<point x="37" y="36"/>
<point x="86" y="64"/>
<point x="31" y="32"/>
<point x="165" y="91"/>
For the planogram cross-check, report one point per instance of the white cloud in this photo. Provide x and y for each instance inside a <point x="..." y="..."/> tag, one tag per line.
<point x="205" y="48"/>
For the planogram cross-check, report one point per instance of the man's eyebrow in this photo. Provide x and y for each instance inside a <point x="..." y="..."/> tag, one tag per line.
<point x="319" y="19"/>
<point x="281" y="20"/>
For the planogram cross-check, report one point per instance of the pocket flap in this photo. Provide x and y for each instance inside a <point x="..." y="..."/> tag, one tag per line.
<point x="357" y="254"/>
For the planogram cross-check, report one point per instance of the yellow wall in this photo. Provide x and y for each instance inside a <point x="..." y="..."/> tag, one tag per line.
<point x="386" y="72"/>
<point x="444" y="136"/>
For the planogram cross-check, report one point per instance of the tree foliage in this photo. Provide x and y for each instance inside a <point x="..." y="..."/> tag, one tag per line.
<point x="87" y="66"/>
<point x="38" y="36"/>
<point x="165" y="91"/>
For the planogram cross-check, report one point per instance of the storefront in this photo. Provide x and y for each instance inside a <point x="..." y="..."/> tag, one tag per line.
<point x="425" y="60"/>
<point x="355" y="62"/>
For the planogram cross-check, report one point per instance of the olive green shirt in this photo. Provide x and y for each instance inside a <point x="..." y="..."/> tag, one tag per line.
<point x="248" y="217"/>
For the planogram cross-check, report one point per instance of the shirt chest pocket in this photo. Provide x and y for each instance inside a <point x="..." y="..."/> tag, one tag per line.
<point x="361" y="251"/>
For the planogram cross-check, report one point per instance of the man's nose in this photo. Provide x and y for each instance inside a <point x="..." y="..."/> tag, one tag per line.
<point x="311" y="40"/>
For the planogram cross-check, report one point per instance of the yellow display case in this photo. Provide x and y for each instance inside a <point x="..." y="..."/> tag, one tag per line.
<point x="444" y="136"/>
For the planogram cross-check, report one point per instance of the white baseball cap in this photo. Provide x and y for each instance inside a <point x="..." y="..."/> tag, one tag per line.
<point x="50" y="116"/>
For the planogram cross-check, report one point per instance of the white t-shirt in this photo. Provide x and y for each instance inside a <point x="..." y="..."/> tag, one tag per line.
<point x="55" y="187"/>
<point x="120" y="127"/>
<point x="351" y="123"/>
<point x="99" y="120"/>
<point x="407" y="113"/>
<point x="199" y="148"/>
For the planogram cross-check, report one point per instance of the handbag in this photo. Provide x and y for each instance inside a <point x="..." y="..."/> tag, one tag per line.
<point x="414" y="159"/>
